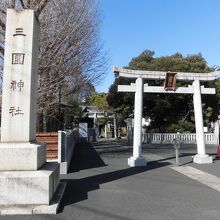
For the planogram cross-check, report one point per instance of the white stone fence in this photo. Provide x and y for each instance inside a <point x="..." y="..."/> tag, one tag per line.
<point x="66" y="144"/>
<point x="185" y="138"/>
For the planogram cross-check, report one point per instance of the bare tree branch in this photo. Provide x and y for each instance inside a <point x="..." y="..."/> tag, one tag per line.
<point x="71" y="55"/>
<point x="41" y="6"/>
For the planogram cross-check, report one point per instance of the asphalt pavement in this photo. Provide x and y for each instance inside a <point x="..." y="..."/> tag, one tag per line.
<point x="101" y="186"/>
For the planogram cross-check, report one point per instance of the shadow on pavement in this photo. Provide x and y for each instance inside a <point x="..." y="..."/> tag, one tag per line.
<point x="77" y="189"/>
<point x="114" y="147"/>
<point x="85" y="157"/>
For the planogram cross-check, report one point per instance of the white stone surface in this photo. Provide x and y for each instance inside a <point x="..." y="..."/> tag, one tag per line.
<point x="202" y="159"/>
<point x="29" y="187"/>
<point x="128" y="73"/>
<point x="14" y="210"/>
<point x="54" y="205"/>
<point x="22" y="156"/>
<point x="22" y="184"/>
<point x="137" y="162"/>
<point x="138" y="109"/>
<point x="63" y="167"/>
<point x="115" y="126"/>
<point x="60" y="134"/>
<point x="21" y="38"/>
<point x="197" y="101"/>
<point x="160" y="89"/>
<point x="52" y="208"/>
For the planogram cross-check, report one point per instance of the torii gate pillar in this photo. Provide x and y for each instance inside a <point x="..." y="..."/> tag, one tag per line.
<point x="201" y="157"/>
<point x="137" y="159"/>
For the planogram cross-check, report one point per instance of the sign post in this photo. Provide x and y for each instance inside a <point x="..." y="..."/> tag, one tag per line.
<point x="176" y="148"/>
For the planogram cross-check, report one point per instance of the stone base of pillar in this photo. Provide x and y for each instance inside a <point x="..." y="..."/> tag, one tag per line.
<point x="202" y="159"/>
<point x="22" y="156"/>
<point x="23" y="191"/>
<point x="52" y="208"/>
<point x="137" y="162"/>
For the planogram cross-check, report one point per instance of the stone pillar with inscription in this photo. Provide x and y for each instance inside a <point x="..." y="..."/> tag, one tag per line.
<point x="25" y="177"/>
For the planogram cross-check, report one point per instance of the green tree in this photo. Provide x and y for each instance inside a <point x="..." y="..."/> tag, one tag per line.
<point x="99" y="100"/>
<point x="167" y="112"/>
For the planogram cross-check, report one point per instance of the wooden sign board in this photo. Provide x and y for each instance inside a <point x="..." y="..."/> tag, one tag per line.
<point x="170" y="81"/>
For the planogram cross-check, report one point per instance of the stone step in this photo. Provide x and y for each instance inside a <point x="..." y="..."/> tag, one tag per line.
<point x="52" y="147"/>
<point x="51" y="143"/>
<point x="45" y="139"/>
<point x="51" y="140"/>
<point x="52" y="155"/>
<point x="47" y="134"/>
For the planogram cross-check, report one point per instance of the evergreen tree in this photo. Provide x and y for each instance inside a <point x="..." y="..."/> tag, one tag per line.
<point x="168" y="112"/>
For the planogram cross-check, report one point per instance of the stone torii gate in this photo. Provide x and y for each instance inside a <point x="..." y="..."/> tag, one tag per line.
<point x="169" y="87"/>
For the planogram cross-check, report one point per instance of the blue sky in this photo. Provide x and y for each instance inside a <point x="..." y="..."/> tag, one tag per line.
<point x="164" y="26"/>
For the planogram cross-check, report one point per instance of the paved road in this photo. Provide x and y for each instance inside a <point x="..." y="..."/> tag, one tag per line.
<point x="100" y="186"/>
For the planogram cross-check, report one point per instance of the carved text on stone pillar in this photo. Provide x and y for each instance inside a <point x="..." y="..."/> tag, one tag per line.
<point x="18" y="58"/>
<point x="13" y="111"/>
<point x="15" y="85"/>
